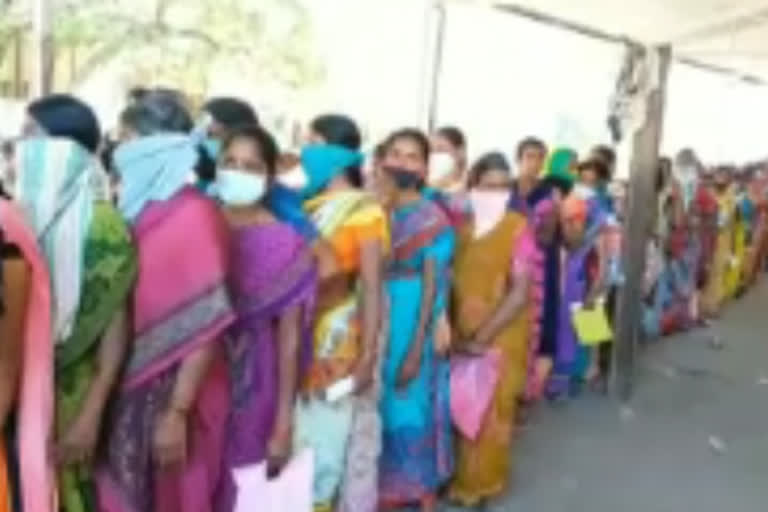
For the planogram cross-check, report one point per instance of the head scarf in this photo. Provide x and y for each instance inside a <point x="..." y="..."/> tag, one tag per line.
<point x="575" y="208"/>
<point x="153" y="168"/>
<point x="323" y="162"/>
<point x="53" y="187"/>
<point x="558" y="165"/>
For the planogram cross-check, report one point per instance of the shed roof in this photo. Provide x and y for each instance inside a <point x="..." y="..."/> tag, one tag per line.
<point x="730" y="35"/>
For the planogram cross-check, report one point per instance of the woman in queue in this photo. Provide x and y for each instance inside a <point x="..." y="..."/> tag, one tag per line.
<point x="273" y="278"/>
<point x="26" y="369"/>
<point x="167" y="431"/>
<point x="91" y="259"/>
<point x="422" y="250"/>
<point x="339" y="420"/>
<point x="490" y="301"/>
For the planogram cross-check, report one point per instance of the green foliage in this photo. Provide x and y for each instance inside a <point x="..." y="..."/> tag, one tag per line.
<point x="179" y="41"/>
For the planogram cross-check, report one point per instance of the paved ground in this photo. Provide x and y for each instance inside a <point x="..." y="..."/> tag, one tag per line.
<point x="694" y="439"/>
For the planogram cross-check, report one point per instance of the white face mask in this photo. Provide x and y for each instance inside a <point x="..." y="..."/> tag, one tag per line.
<point x="488" y="208"/>
<point x="240" y="188"/>
<point x="295" y="179"/>
<point x="441" y="166"/>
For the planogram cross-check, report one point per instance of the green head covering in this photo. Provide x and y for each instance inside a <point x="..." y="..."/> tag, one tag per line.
<point x="559" y="165"/>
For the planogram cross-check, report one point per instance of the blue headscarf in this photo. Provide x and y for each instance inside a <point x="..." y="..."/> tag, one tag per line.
<point x="153" y="168"/>
<point x="323" y="162"/>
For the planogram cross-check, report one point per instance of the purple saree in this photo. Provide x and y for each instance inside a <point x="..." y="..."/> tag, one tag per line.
<point x="271" y="270"/>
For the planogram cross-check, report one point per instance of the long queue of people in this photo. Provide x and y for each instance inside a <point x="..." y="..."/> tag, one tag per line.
<point x="708" y="244"/>
<point x="190" y="300"/>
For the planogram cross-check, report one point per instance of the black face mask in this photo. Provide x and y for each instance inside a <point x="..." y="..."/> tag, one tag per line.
<point x="405" y="179"/>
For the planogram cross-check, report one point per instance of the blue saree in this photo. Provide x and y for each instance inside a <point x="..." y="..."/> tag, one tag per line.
<point x="415" y="431"/>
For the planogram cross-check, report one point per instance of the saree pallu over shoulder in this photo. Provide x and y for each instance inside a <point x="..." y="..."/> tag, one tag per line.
<point x="272" y="270"/>
<point x="456" y="205"/>
<point x="181" y="299"/>
<point x="482" y="270"/>
<point x="416" y="229"/>
<point x="346" y="220"/>
<point x="180" y="304"/>
<point x="35" y="412"/>
<point x="416" y="456"/>
<point x="110" y="269"/>
<point x="284" y="277"/>
<point x="109" y="273"/>
<point x="294" y="275"/>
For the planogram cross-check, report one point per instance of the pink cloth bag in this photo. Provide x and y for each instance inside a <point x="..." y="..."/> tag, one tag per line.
<point x="473" y="382"/>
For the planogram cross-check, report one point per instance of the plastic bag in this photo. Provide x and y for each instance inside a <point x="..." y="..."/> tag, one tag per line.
<point x="473" y="382"/>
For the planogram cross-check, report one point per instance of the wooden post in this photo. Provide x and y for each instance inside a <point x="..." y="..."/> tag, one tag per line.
<point x="43" y="48"/>
<point x="641" y="209"/>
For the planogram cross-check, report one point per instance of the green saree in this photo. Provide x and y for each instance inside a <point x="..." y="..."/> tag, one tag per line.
<point x="108" y="276"/>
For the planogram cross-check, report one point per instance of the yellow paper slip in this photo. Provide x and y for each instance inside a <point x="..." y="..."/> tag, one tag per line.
<point x="591" y="325"/>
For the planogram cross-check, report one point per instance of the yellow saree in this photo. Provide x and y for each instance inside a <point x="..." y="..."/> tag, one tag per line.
<point x="481" y="271"/>
<point x="717" y="289"/>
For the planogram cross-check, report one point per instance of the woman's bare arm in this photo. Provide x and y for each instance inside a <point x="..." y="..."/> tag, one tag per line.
<point x="170" y="439"/>
<point x="370" y="306"/>
<point x="289" y="347"/>
<point x="81" y="436"/>
<point x="510" y="307"/>
<point x="193" y="370"/>
<point x="112" y="350"/>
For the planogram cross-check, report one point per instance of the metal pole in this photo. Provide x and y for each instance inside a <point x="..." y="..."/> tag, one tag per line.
<point x="43" y="48"/>
<point x="436" y="67"/>
<point x="642" y="182"/>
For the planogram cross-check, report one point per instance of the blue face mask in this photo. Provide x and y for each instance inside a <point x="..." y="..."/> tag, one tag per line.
<point x="323" y="162"/>
<point x="212" y="147"/>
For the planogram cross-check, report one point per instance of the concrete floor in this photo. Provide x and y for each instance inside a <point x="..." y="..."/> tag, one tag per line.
<point x="695" y="436"/>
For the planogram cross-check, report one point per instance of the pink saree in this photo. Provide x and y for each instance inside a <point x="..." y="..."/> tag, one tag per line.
<point x="180" y="304"/>
<point x="35" y="419"/>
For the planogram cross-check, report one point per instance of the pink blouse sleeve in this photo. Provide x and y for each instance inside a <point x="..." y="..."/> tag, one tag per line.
<point x="524" y="253"/>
